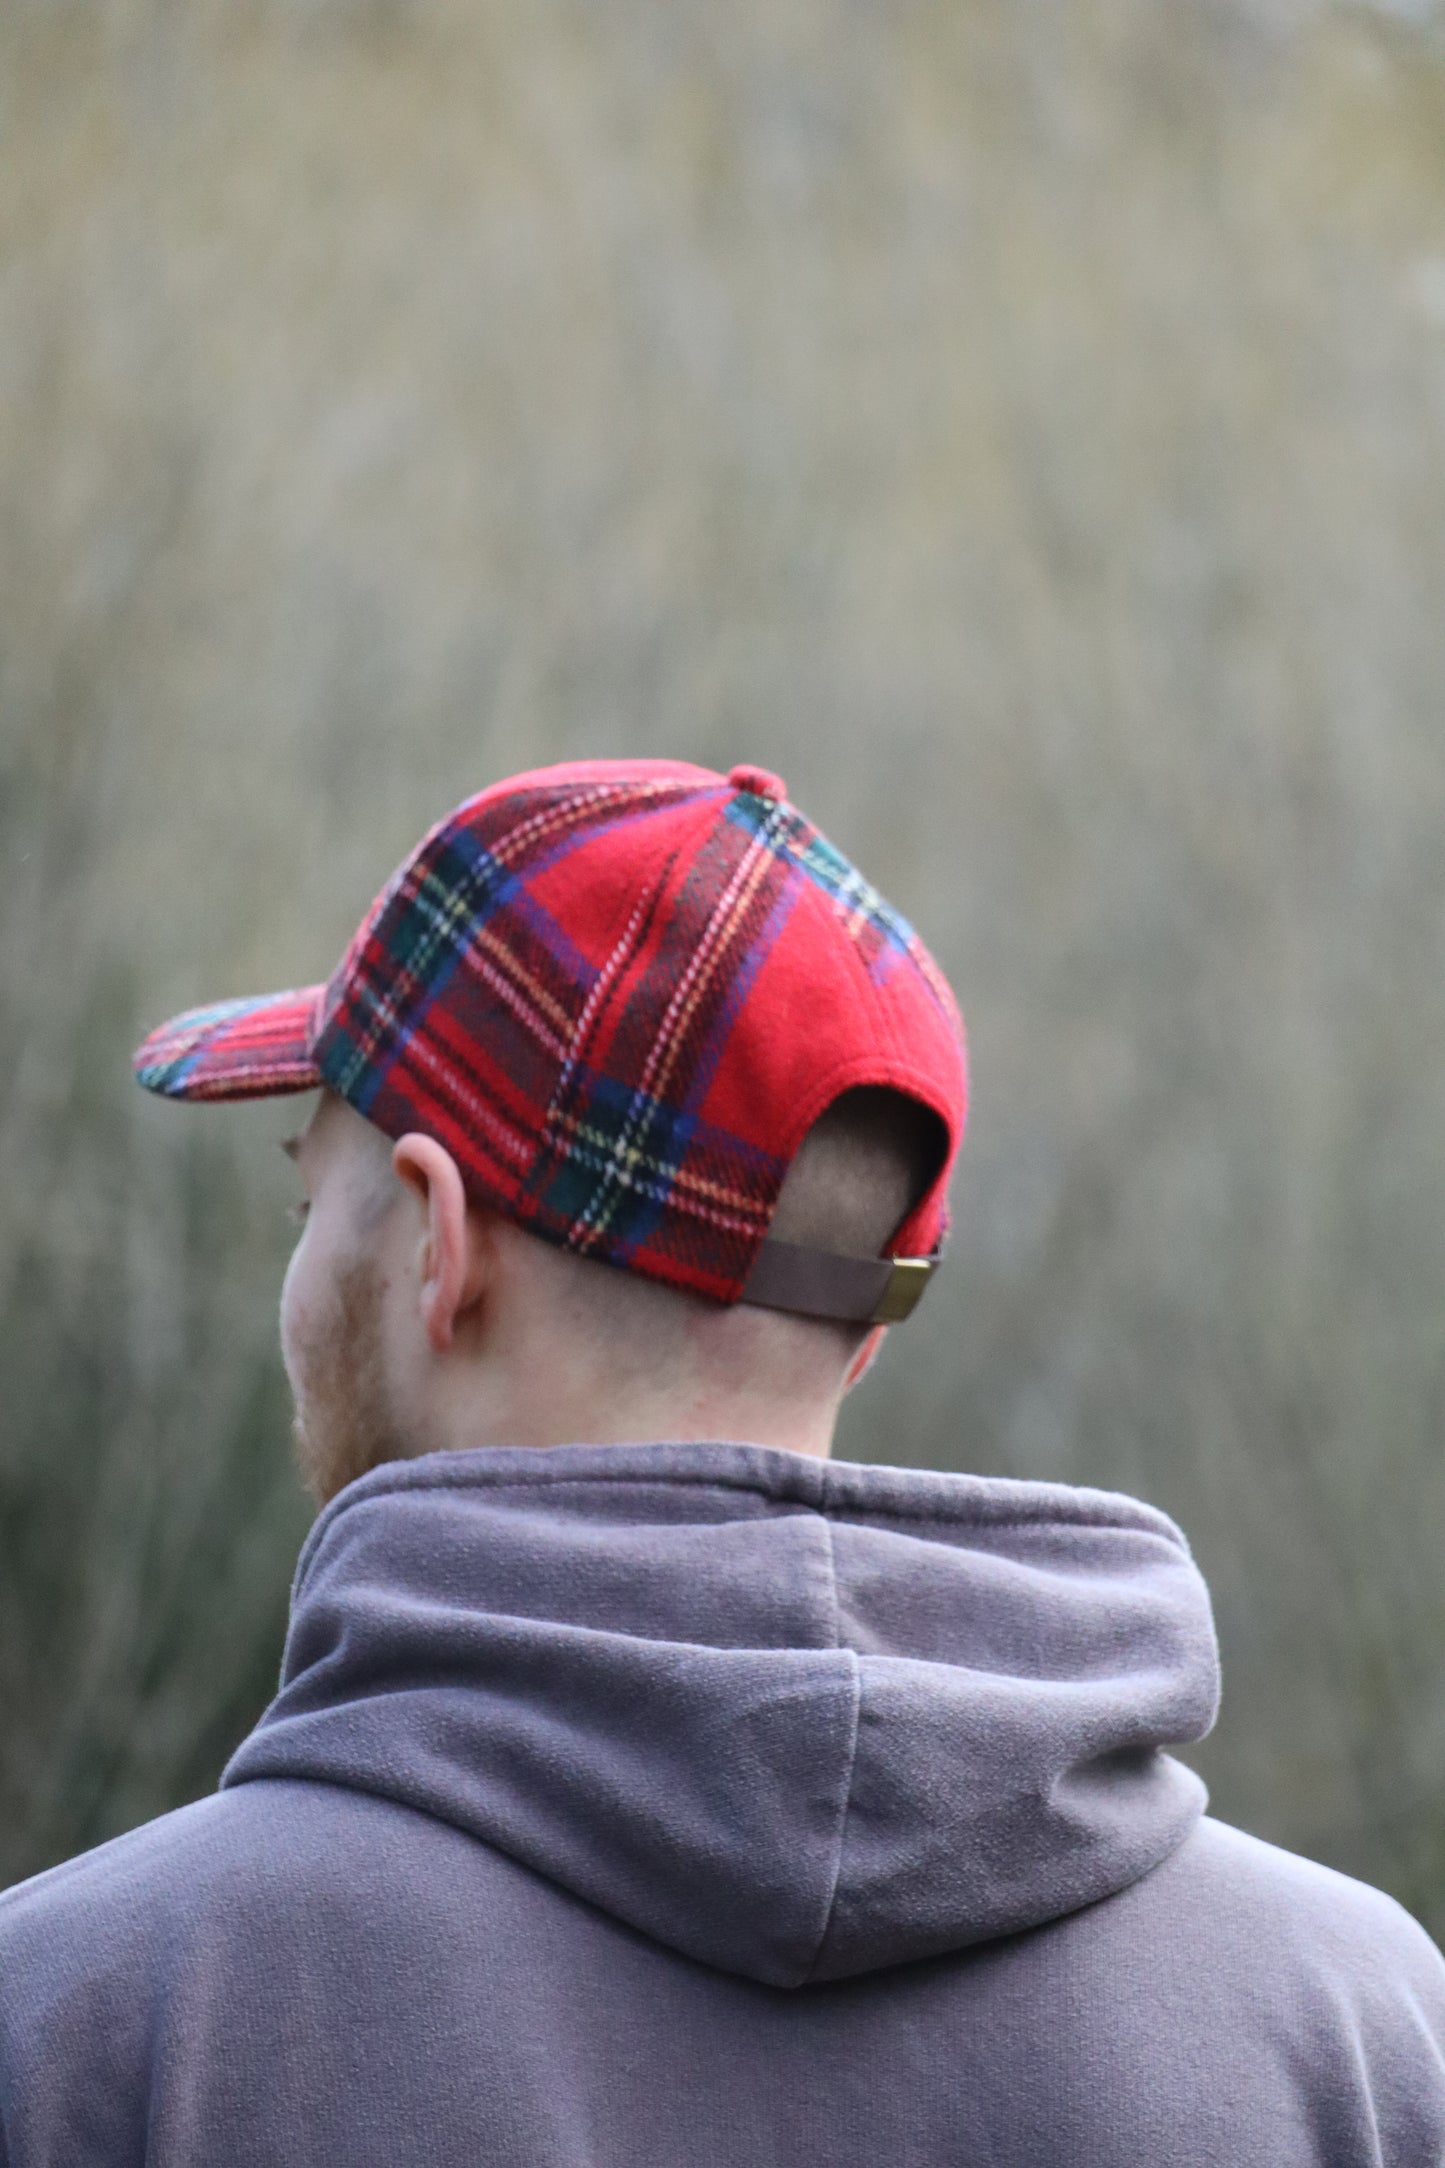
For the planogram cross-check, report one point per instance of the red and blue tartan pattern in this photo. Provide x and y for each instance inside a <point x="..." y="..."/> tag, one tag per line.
<point x="619" y="993"/>
<point x="246" y="1049"/>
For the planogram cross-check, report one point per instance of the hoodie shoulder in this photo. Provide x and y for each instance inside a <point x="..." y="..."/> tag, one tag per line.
<point x="223" y="1967"/>
<point x="1342" y="1929"/>
<point x="1294" y="1985"/>
<point x="1237" y="2003"/>
<point x="85" y="1954"/>
<point x="242" y="1856"/>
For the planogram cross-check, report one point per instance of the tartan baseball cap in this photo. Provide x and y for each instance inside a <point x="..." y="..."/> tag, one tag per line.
<point x="620" y="992"/>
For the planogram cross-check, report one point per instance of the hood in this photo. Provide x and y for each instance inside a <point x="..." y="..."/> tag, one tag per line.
<point x="798" y="1719"/>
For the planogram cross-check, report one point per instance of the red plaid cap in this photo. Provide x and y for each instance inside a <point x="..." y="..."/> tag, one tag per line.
<point x="620" y="993"/>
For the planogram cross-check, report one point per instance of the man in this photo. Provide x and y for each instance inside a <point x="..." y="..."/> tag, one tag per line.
<point x="643" y="1788"/>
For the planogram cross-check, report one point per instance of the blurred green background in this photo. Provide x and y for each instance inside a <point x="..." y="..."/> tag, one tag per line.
<point x="1023" y="425"/>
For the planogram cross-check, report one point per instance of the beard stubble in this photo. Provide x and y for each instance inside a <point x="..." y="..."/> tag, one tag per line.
<point x="343" y="1423"/>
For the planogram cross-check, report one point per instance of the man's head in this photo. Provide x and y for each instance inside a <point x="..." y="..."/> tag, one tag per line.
<point x="414" y="1320"/>
<point x="638" y="1110"/>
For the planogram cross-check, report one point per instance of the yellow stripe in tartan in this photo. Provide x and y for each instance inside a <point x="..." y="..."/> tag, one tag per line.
<point x="547" y="1010"/>
<point x="552" y="819"/>
<point x="581" y="1134"/>
<point x="510" y="1143"/>
<point x="707" y="957"/>
<point x="588" y="1012"/>
<point x="446" y="916"/>
<point x="452" y="907"/>
<point x="579" y="1235"/>
<point x="507" y="993"/>
<point x="728" y="912"/>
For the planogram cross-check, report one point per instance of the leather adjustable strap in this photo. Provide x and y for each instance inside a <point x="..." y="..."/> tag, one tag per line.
<point x="820" y="1283"/>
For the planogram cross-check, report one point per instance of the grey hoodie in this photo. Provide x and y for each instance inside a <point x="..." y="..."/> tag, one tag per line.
<point x="699" y="1804"/>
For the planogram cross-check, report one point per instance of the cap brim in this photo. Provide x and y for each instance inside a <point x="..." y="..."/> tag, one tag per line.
<point x="248" y="1049"/>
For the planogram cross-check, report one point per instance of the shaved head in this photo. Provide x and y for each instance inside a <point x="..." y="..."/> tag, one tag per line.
<point x="859" y="1172"/>
<point x="538" y="1344"/>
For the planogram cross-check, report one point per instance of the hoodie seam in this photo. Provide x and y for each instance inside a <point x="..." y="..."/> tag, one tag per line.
<point x="855" y="1679"/>
<point x="837" y="1608"/>
<point x="924" y="1509"/>
<point x="1067" y="1505"/>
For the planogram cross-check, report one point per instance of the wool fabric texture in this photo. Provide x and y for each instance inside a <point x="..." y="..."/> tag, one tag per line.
<point x="619" y="993"/>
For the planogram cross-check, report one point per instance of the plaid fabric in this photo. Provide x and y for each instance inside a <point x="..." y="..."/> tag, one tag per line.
<point x="235" y="1049"/>
<point x="880" y="932"/>
<point x="619" y="993"/>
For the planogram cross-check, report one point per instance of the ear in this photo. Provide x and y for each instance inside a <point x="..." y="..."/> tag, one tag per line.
<point x="452" y="1260"/>
<point x="865" y="1358"/>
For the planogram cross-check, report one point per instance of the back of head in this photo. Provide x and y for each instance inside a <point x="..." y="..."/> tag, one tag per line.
<point x="856" y="1177"/>
<point x="859" y="1172"/>
<point x="700" y="1082"/>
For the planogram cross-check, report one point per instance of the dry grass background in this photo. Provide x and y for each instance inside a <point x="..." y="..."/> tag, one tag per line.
<point x="1021" y="424"/>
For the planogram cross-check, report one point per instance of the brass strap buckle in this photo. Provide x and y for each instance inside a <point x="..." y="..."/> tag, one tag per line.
<point x="906" y="1282"/>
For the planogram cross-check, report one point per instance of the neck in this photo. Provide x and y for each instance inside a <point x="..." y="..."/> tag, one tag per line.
<point x="538" y="1410"/>
<point x="562" y="1351"/>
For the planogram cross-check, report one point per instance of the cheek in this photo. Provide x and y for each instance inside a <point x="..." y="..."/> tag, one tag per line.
<point x="300" y="1297"/>
<point x="324" y="1265"/>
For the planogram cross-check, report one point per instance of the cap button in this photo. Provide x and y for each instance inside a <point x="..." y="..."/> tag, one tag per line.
<point x="760" y="781"/>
